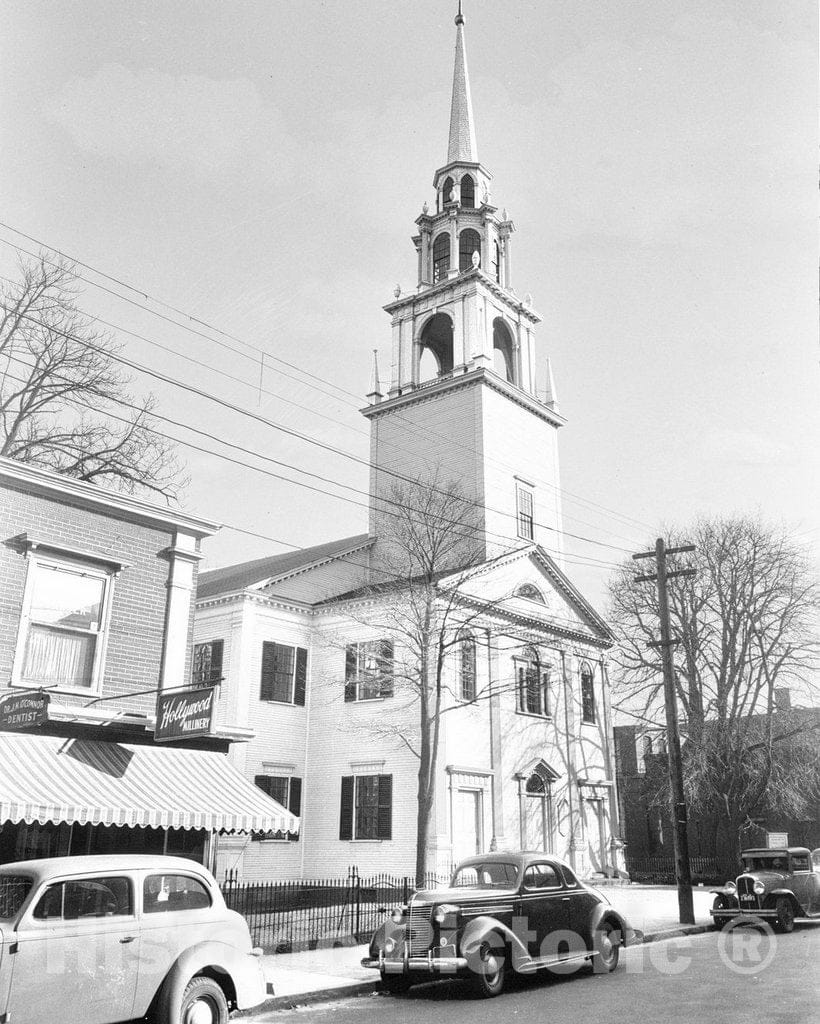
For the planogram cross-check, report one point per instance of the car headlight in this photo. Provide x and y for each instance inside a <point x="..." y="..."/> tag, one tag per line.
<point x="759" y="888"/>
<point x="397" y="915"/>
<point x="389" y="946"/>
<point x="731" y="886"/>
<point x="443" y="911"/>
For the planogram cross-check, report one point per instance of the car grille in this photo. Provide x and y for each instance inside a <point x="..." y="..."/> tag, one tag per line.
<point x="745" y="891"/>
<point x="419" y="929"/>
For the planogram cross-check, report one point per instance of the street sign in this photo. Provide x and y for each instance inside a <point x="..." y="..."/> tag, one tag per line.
<point x="23" y="710"/>
<point x="184" y="714"/>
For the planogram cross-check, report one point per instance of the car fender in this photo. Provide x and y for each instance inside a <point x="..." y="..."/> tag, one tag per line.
<point x="606" y="912"/>
<point x="215" y="959"/>
<point x="479" y="929"/>
<point x="775" y="894"/>
<point x="723" y="891"/>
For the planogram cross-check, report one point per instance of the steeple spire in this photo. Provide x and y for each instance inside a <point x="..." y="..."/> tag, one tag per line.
<point x="462" y="147"/>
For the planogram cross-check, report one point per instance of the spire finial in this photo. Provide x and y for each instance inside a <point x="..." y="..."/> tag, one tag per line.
<point x="462" y="147"/>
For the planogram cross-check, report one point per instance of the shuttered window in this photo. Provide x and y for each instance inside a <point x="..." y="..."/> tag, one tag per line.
<point x="285" y="790"/>
<point x="366" y="810"/>
<point x="369" y="670"/>
<point x="284" y="673"/>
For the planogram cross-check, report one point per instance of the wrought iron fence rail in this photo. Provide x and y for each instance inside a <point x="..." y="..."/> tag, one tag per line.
<point x="661" y="870"/>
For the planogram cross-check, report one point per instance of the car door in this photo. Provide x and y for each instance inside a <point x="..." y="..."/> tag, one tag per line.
<point x="176" y="913"/>
<point x="76" y="953"/>
<point x="544" y="911"/>
<point x="800" y="881"/>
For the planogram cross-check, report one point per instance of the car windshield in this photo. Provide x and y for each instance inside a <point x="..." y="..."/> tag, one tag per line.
<point x="13" y="891"/>
<point x="766" y="863"/>
<point x="492" y="875"/>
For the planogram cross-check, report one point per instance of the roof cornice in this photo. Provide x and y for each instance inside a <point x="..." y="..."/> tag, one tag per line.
<point x="46" y="481"/>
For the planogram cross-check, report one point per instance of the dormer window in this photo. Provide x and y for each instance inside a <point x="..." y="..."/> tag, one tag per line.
<point x="441" y="256"/>
<point x="469" y="241"/>
<point x="468" y="192"/>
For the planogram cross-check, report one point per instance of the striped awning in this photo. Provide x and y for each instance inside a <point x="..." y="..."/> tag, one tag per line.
<point x="53" y="779"/>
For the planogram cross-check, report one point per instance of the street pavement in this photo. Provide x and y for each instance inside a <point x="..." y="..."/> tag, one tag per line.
<point x="738" y="977"/>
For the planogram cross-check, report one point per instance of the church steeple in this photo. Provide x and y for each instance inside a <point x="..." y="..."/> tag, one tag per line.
<point x="462" y="147"/>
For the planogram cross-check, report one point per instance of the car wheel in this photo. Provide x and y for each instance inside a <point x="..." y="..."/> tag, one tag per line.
<point x="784" y="922"/>
<point x="203" y="1002"/>
<point x="396" y="984"/>
<point x="719" y="904"/>
<point x="487" y="977"/>
<point x="608" y="947"/>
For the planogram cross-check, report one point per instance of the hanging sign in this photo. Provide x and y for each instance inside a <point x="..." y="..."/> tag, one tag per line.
<point x="184" y="714"/>
<point x="23" y="710"/>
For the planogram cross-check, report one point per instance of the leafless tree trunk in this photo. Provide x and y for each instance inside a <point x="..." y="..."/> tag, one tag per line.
<point x="64" y="404"/>
<point x="747" y="626"/>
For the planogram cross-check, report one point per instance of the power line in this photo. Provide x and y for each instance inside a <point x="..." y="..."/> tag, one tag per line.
<point x="584" y="502"/>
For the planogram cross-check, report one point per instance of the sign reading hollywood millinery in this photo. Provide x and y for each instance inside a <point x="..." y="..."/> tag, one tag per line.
<point x="23" y="710"/>
<point x="183" y="715"/>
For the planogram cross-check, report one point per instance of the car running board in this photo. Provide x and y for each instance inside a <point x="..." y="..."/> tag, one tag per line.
<point x="531" y="966"/>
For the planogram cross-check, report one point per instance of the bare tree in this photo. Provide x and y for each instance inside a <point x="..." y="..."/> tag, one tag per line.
<point x="746" y="625"/>
<point x="429" y="536"/>
<point x="64" y="404"/>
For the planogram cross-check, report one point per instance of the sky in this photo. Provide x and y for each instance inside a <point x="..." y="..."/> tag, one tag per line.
<point x="258" y="166"/>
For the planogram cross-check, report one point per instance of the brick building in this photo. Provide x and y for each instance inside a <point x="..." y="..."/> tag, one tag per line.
<point x="525" y="757"/>
<point x="96" y="617"/>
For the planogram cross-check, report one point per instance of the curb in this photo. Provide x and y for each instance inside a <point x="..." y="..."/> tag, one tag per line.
<point x="363" y="988"/>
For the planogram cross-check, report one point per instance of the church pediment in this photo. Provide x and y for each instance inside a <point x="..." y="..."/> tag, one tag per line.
<point x="529" y="586"/>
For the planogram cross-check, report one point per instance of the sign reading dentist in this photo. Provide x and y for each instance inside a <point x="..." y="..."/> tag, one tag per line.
<point x="184" y="715"/>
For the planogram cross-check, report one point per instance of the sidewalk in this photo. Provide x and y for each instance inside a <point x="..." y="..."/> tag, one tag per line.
<point x="325" y="974"/>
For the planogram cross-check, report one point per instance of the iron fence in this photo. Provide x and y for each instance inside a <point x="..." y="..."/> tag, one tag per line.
<point x="661" y="870"/>
<point x="286" y="916"/>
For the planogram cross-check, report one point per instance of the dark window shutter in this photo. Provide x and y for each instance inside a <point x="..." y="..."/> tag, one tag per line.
<point x="268" y="667"/>
<point x="386" y="668"/>
<point x="350" y="672"/>
<point x="215" y="673"/>
<point x="545" y="681"/>
<point x="263" y="782"/>
<point x="301" y="677"/>
<point x="346" y="813"/>
<point x="295" y="804"/>
<point x="385" y="820"/>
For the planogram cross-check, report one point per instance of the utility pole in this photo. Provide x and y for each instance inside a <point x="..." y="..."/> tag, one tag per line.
<point x="667" y="641"/>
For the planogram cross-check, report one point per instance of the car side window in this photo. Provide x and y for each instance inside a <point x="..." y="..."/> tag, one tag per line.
<point x="569" y="877"/>
<point x="541" y="876"/>
<point x="800" y="862"/>
<point x="86" y="897"/>
<point x="164" y="894"/>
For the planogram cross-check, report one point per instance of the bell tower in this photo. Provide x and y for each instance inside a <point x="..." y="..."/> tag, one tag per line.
<point x="465" y="400"/>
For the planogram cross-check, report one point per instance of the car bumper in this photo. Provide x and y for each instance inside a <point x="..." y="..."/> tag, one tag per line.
<point x="418" y="964"/>
<point x="728" y="913"/>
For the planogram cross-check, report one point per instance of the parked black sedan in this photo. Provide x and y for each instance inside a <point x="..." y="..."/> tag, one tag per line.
<point x="502" y="912"/>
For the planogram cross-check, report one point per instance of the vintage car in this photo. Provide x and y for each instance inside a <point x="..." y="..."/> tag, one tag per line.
<point x="96" y="940"/>
<point x="502" y="912"/>
<point x="775" y="885"/>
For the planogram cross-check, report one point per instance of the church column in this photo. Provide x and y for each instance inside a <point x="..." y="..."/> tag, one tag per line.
<point x="573" y="793"/>
<point x="424" y="273"/>
<point x="461" y="331"/>
<point x="498" y="840"/>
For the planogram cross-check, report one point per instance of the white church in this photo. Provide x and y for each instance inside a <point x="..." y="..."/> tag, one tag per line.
<point x="525" y="755"/>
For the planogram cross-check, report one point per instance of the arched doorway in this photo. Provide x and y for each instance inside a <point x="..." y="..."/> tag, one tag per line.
<point x="537" y="811"/>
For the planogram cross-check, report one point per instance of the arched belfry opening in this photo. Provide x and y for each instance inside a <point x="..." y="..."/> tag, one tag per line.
<point x="441" y="256"/>
<point x="467" y="188"/>
<point x="469" y="241"/>
<point x="436" y="347"/>
<point x="503" y="353"/>
<point x="447" y="191"/>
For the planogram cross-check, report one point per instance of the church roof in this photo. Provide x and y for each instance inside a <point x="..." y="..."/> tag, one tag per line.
<point x="243" y="575"/>
<point x="462" y="147"/>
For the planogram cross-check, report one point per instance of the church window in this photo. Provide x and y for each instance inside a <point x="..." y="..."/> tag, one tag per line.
<point x="467" y="674"/>
<point x="469" y="241"/>
<point x="530" y="592"/>
<point x="446" y="190"/>
<point x="441" y="256"/>
<point x="588" y="713"/>
<point x="503" y="357"/>
<point x="467" y="191"/>
<point x="526" y="522"/>
<point x="532" y="679"/>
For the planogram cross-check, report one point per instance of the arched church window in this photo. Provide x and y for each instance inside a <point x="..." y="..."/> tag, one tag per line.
<point x="530" y="592"/>
<point x="468" y="191"/>
<point x="533" y="680"/>
<point x="469" y="241"/>
<point x="503" y="360"/>
<point x="436" y="343"/>
<point x="467" y="667"/>
<point x="535" y="784"/>
<point x="446" y="189"/>
<point x="441" y="256"/>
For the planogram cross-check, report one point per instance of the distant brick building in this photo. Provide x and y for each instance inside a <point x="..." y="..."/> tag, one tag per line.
<point x="298" y="638"/>
<point x="96" y="616"/>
